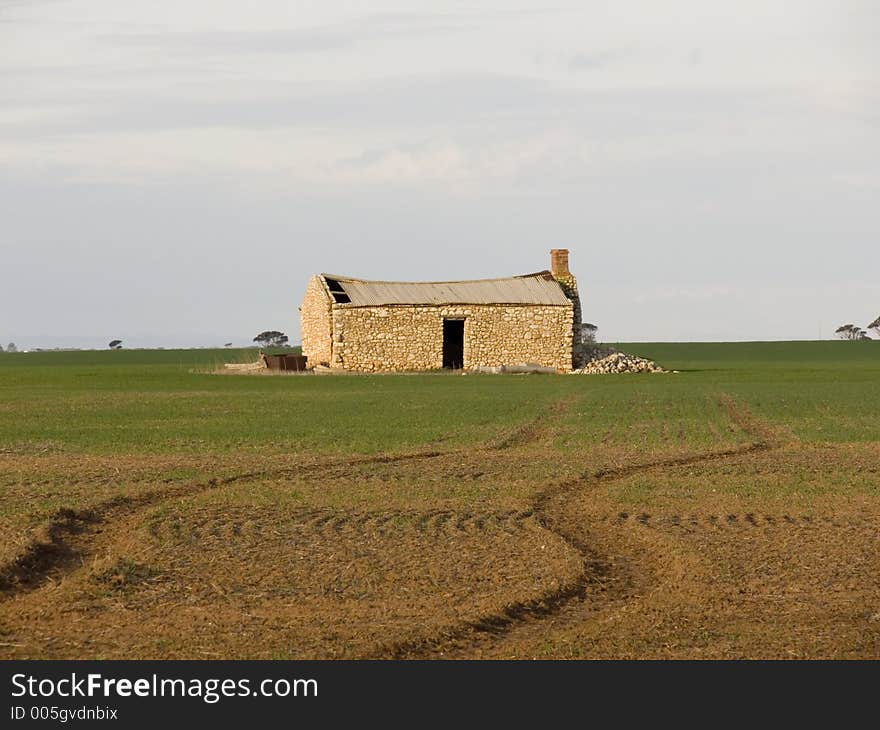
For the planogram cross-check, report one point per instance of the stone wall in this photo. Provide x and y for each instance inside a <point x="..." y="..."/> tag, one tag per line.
<point x="317" y="328"/>
<point x="376" y="339"/>
<point x="570" y="288"/>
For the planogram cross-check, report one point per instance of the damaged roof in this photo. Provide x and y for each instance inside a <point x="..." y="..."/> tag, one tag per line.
<point x="538" y="288"/>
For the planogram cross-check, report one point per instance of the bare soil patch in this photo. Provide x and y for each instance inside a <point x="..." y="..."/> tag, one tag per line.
<point x="696" y="572"/>
<point x="278" y="583"/>
<point x="766" y="548"/>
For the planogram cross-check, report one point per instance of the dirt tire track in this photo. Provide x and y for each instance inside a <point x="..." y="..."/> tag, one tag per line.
<point x="66" y="539"/>
<point x="594" y="579"/>
<point x="597" y="569"/>
<point x="772" y="435"/>
<point x="62" y="542"/>
<point x="532" y="430"/>
<point x="622" y="472"/>
<point x="746" y="521"/>
<point x="331" y="522"/>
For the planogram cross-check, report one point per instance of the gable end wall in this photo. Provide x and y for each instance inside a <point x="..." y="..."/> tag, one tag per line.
<point x="317" y="327"/>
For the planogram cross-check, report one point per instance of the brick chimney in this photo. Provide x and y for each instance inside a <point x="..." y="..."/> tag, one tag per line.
<point x="559" y="262"/>
<point x="559" y="269"/>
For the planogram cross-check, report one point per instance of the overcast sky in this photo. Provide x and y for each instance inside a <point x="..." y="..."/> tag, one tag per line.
<point x="172" y="171"/>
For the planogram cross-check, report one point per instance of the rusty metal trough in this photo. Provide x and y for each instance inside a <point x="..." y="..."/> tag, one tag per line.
<point x="295" y="363"/>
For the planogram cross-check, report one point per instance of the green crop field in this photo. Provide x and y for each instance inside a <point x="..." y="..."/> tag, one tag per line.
<point x="728" y="509"/>
<point x="167" y="401"/>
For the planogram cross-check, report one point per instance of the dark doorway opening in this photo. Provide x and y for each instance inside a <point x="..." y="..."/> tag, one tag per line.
<point x="453" y="343"/>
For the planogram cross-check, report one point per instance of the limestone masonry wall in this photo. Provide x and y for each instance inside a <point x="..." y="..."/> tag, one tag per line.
<point x="387" y="338"/>
<point x="317" y="327"/>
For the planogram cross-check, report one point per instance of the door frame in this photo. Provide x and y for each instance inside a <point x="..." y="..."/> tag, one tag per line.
<point x="444" y="357"/>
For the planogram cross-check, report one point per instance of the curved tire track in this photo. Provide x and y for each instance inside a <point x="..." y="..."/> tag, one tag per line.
<point x="596" y="568"/>
<point x="67" y="535"/>
<point x="330" y="523"/>
<point x="62" y="542"/>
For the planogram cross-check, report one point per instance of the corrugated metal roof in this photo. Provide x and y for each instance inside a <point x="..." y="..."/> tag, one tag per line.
<point x="539" y="288"/>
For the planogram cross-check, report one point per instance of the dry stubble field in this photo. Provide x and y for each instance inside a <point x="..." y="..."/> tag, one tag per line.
<point x="152" y="510"/>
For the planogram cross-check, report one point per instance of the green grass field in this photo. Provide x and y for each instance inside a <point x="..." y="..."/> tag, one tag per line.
<point x="166" y="401"/>
<point x="151" y="507"/>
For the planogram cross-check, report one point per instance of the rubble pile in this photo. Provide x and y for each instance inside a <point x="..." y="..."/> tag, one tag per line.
<point x="618" y="362"/>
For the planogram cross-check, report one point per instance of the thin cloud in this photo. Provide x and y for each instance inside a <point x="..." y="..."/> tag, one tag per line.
<point x="413" y="102"/>
<point x="348" y="34"/>
<point x="593" y="61"/>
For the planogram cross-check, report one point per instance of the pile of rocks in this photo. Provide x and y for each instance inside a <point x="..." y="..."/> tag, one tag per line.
<point x="619" y="362"/>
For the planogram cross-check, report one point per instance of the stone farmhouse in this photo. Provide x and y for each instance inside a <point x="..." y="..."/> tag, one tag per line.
<point x="382" y="326"/>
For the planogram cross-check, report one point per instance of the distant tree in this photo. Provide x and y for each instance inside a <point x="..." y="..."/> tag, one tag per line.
<point x="228" y="344"/>
<point x="11" y="347"/>
<point x="851" y="332"/>
<point x="271" y="338"/>
<point x="115" y="344"/>
<point x="586" y="347"/>
<point x="875" y="326"/>
<point x="588" y="333"/>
